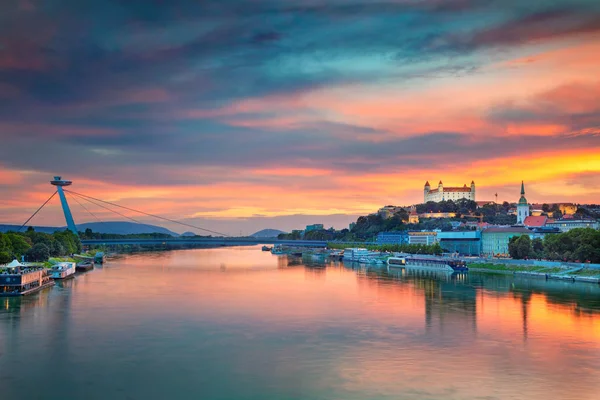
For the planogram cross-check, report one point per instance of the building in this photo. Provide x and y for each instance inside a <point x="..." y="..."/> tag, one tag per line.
<point x="413" y="217"/>
<point x="465" y="243"/>
<point x="427" y="238"/>
<point x="314" y="227"/>
<point x="450" y="193"/>
<point x="566" y="225"/>
<point x="567" y="208"/>
<point x="522" y="207"/>
<point x="535" y="221"/>
<point x="494" y="240"/>
<point x="541" y="232"/>
<point x="437" y="215"/>
<point x="388" y="211"/>
<point x="396" y="237"/>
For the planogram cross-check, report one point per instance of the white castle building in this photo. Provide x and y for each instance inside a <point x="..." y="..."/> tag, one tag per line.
<point x="442" y="193"/>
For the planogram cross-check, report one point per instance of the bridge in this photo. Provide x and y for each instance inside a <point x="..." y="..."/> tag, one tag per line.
<point x="220" y="240"/>
<point x="215" y="241"/>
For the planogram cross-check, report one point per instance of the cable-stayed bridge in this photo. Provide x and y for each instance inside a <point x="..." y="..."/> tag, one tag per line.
<point x="220" y="239"/>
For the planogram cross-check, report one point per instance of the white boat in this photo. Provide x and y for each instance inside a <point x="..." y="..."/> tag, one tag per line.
<point x="355" y="254"/>
<point x="62" y="270"/>
<point x="437" y="264"/>
<point x="277" y="250"/>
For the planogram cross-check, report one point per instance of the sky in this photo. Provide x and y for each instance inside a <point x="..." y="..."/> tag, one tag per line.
<point x="241" y="115"/>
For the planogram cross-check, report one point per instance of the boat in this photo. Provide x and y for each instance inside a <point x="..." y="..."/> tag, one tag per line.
<point x="63" y="270"/>
<point x="439" y="264"/>
<point x="277" y="250"/>
<point x="355" y="254"/>
<point x="337" y="255"/>
<point x="99" y="258"/>
<point x="85" y="265"/>
<point x="17" y="279"/>
<point x="266" y="248"/>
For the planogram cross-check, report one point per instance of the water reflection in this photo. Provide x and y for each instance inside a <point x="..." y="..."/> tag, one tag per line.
<point x="244" y="324"/>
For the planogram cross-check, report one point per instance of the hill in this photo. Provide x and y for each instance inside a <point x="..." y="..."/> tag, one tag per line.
<point x="43" y="229"/>
<point x="267" y="233"/>
<point x="123" y="228"/>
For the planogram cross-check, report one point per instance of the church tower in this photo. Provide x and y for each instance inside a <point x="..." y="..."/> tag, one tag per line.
<point x="522" y="207"/>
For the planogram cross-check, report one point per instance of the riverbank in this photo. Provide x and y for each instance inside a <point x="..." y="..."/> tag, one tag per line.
<point x="580" y="274"/>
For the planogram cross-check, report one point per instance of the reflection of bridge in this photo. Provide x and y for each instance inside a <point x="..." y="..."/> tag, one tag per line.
<point x="218" y="241"/>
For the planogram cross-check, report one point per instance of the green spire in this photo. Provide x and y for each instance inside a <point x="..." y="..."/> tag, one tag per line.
<point x="523" y="200"/>
<point x="522" y="189"/>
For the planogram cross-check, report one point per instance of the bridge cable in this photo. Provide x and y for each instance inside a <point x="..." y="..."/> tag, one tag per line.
<point x="38" y="210"/>
<point x="148" y="214"/>
<point x="84" y="207"/>
<point x="111" y="210"/>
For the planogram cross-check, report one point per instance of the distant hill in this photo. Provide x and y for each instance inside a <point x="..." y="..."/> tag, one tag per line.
<point x="43" y="229"/>
<point x="267" y="233"/>
<point x="188" y="234"/>
<point x="123" y="228"/>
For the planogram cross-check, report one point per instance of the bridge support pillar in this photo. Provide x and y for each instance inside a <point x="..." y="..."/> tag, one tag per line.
<point x="59" y="183"/>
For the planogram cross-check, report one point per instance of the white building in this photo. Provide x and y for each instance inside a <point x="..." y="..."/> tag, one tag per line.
<point x="427" y="238"/>
<point x="522" y="207"/>
<point x="566" y="225"/>
<point x="442" y="193"/>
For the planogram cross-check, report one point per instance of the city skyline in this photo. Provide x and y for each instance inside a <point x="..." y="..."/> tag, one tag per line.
<point x="242" y="116"/>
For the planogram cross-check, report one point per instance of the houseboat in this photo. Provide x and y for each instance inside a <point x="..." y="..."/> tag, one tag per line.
<point x="63" y="270"/>
<point x="438" y="264"/>
<point x="17" y="279"/>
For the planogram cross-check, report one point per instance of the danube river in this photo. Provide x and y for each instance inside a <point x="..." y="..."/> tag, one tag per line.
<point x="238" y="323"/>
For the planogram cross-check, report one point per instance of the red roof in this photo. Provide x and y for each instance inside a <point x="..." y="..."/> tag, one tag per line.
<point x="427" y="183"/>
<point x="457" y="189"/>
<point x="535" y="221"/>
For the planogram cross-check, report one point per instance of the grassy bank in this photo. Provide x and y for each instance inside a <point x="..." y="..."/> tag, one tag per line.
<point x="514" y="268"/>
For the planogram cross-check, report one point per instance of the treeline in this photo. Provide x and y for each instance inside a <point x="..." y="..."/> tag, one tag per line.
<point x="577" y="245"/>
<point x="37" y="246"/>
<point x="434" y="249"/>
<point x="89" y="234"/>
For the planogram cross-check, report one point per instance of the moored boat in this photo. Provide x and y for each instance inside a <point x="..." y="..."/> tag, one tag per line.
<point x="62" y="270"/>
<point x="266" y="248"/>
<point x="85" y="265"/>
<point x="99" y="258"/>
<point x="17" y="279"/>
<point x="277" y="250"/>
<point x="439" y="264"/>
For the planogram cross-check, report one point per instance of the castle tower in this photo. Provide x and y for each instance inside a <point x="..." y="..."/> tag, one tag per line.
<point x="473" y="190"/>
<point x="426" y="191"/>
<point x="59" y="183"/>
<point x="440" y="187"/>
<point x="522" y="206"/>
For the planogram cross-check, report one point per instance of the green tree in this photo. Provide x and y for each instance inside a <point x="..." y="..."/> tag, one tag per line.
<point x="545" y="208"/>
<point x="519" y="247"/>
<point x="20" y="244"/>
<point x="5" y="257"/>
<point x="39" y="252"/>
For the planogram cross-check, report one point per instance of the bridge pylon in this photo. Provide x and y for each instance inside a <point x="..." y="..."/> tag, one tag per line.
<point x="60" y="183"/>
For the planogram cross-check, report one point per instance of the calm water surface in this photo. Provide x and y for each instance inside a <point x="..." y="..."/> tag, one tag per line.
<point x="238" y="323"/>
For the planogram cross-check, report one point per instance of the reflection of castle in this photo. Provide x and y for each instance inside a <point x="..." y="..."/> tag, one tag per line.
<point x="449" y="193"/>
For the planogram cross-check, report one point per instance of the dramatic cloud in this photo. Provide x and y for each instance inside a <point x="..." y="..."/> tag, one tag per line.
<point x="230" y="109"/>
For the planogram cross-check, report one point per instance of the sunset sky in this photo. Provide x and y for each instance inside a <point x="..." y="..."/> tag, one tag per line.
<point x="239" y="115"/>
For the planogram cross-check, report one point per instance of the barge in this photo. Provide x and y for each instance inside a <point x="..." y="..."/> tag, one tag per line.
<point x="63" y="270"/>
<point x="17" y="279"/>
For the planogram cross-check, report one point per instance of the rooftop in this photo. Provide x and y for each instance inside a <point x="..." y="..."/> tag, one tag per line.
<point x="535" y="221"/>
<point x="506" y="229"/>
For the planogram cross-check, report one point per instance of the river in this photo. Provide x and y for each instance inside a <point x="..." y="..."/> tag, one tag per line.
<point x="238" y="323"/>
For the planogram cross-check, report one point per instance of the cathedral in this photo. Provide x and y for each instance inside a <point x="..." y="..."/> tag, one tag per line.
<point x="522" y="207"/>
<point x="442" y="193"/>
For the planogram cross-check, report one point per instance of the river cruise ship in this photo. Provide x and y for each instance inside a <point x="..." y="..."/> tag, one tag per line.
<point x="438" y="264"/>
<point x="357" y="253"/>
<point x="63" y="270"/>
<point x="17" y="279"/>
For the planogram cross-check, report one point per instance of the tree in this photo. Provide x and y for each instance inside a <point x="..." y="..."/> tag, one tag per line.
<point x="5" y="257"/>
<point x="519" y="247"/>
<point x="545" y="208"/>
<point x="38" y="252"/>
<point x="20" y="244"/>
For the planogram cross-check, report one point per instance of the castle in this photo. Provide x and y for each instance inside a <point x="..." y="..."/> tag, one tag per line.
<point x="442" y="193"/>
